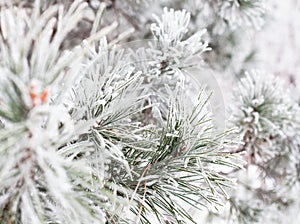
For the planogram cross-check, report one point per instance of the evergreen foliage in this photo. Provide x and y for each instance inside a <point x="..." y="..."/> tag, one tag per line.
<point x="100" y="124"/>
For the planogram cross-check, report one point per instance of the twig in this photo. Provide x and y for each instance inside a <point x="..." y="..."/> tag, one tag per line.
<point x="139" y="182"/>
<point x="142" y="203"/>
<point x="110" y="218"/>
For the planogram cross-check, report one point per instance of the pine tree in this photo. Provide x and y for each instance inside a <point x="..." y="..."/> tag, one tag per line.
<point x="100" y="124"/>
